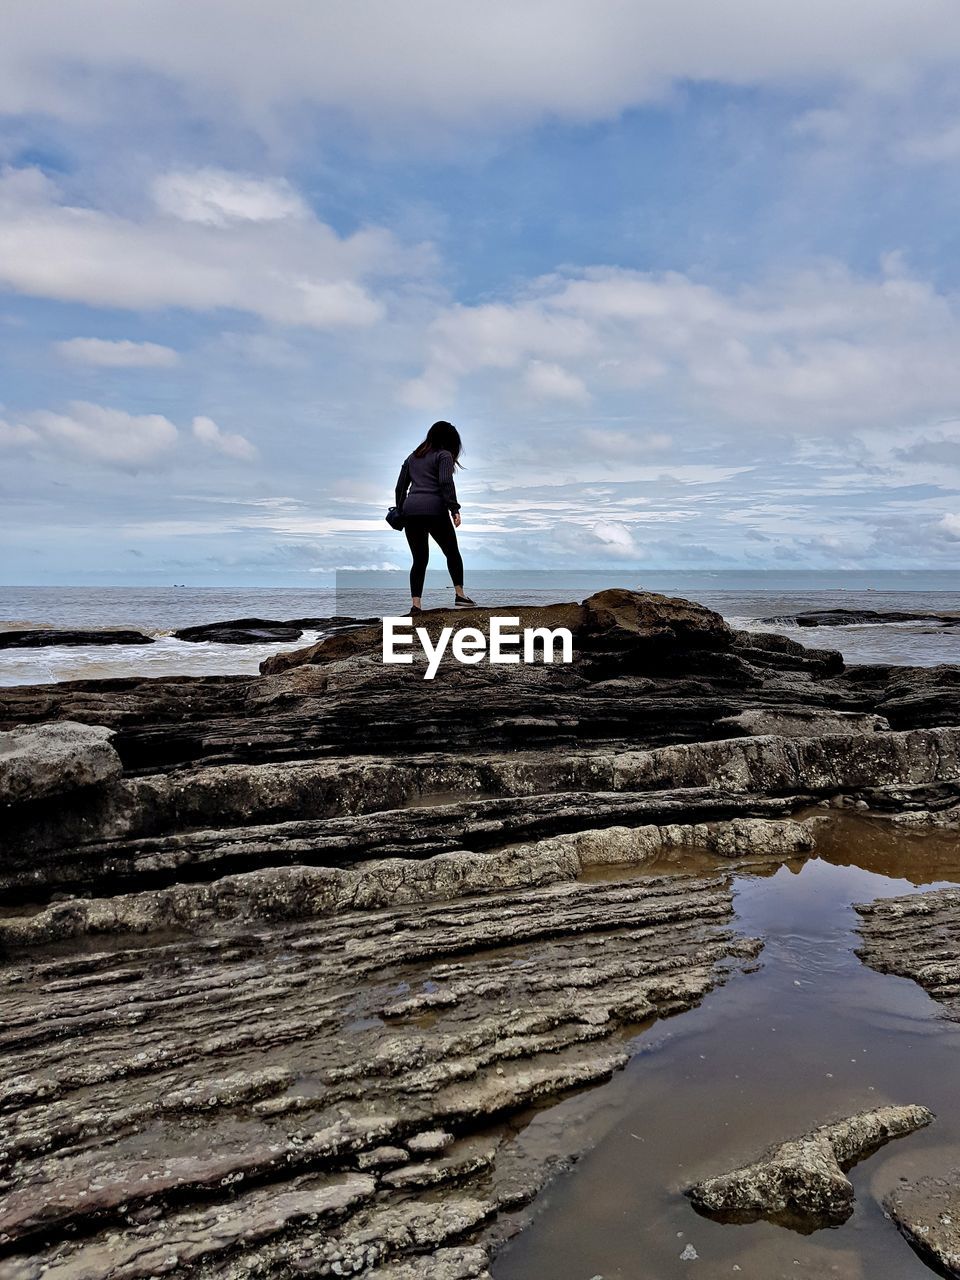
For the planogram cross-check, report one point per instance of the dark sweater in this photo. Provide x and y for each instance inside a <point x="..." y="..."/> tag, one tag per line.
<point x="425" y="485"/>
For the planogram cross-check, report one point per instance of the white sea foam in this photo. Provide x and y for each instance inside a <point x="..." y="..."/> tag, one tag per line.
<point x="165" y="657"/>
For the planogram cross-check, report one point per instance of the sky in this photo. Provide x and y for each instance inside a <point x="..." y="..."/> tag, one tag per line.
<point x="686" y="275"/>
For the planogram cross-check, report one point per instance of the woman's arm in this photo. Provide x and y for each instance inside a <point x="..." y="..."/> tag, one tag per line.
<point x="448" y="490"/>
<point x="403" y="483"/>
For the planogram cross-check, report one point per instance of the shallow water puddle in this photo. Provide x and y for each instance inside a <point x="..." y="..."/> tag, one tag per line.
<point x="812" y="1036"/>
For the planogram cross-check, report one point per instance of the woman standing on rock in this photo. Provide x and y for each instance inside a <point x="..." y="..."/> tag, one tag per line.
<point x="427" y="498"/>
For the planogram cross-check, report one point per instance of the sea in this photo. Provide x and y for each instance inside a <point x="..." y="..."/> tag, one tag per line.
<point x="767" y="600"/>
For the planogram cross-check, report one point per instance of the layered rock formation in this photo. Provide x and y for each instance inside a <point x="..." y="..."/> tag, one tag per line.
<point x="278" y="1091"/>
<point x="917" y="937"/>
<point x="287" y="961"/>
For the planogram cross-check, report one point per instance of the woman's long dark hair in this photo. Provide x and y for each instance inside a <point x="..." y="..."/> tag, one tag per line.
<point x="442" y="435"/>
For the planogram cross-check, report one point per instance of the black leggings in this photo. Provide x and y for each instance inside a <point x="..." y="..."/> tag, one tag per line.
<point x="419" y="531"/>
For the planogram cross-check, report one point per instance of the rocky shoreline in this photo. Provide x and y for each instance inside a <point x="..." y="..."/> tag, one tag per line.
<point x="287" y="957"/>
<point x="235" y="631"/>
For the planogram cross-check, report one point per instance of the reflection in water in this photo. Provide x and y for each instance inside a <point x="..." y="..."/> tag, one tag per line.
<point x="917" y="855"/>
<point x="813" y="1035"/>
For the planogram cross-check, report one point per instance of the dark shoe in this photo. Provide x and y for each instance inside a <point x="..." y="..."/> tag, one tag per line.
<point x="465" y="600"/>
<point x="414" y="610"/>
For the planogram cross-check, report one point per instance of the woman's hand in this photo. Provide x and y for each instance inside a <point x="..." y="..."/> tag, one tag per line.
<point x="456" y="519"/>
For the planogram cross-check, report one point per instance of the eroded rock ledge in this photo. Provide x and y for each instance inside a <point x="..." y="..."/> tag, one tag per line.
<point x="362" y="807"/>
<point x="916" y="937"/>
<point x="305" y="892"/>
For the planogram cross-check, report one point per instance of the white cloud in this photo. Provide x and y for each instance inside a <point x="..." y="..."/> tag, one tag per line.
<point x="453" y="62"/>
<point x="463" y="339"/>
<point x="226" y="442"/>
<point x="100" y="434"/>
<point x="118" y="354"/>
<point x="114" y="437"/>
<point x="933" y="454"/>
<point x="265" y="349"/>
<point x="291" y="270"/>
<point x="216" y="198"/>
<point x="616" y="539"/>
<point x="15" y="435"/>
<point x="625" y="446"/>
<point x="950" y="524"/>
<point x="590" y="542"/>
<point x="938" y="145"/>
<point x="549" y="381"/>
<point x="819" y="349"/>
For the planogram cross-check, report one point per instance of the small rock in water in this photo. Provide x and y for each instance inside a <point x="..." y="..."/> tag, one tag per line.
<point x="689" y="1254"/>
<point x="801" y="1183"/>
